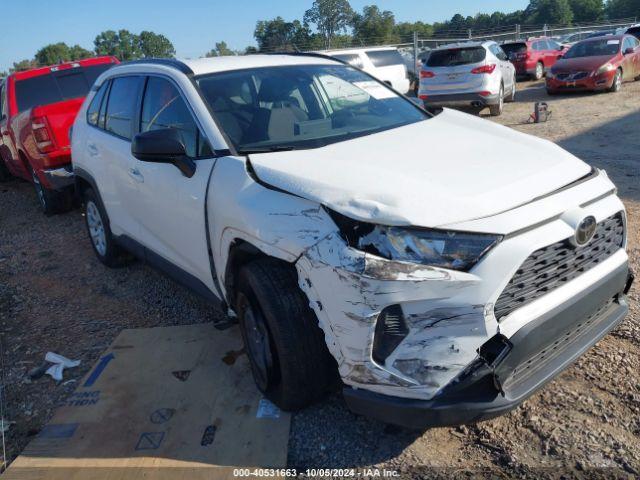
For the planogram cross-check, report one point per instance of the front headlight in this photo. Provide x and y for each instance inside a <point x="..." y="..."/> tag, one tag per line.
<point x="438" y="248"/>
<point x="605" y="68"/>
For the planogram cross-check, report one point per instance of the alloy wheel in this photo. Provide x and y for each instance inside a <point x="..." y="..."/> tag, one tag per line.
<point x="96" y="229"/>
<point x="257" y="342"/>
<point x="539" y="71"/>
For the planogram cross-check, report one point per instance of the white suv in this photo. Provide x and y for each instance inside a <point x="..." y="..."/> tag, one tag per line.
<point x="476" y="74"/>
<point x="384" y="63"/>
<point x="444" y="285"/>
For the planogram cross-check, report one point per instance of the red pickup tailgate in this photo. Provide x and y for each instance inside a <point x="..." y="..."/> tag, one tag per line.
<point x="59" y="116"/>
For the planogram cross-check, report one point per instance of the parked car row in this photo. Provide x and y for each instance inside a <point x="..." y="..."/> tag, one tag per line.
<point x="441" y="285"/>
<point x="484" y="74"/>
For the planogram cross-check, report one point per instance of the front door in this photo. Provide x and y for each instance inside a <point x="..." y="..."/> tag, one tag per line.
<point x="169" y="207"/>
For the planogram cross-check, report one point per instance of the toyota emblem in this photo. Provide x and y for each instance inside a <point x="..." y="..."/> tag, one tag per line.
<point x="585" y="231"/>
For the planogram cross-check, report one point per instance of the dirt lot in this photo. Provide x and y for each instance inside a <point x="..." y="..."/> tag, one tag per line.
<point x="54" y="295"/>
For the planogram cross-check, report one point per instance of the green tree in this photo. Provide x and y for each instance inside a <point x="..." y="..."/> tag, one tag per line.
<point x="330" y="18"/>
<point x="250" y="50"/>
<point x="623" y="8"/>
<point x="552" y="12"/>
<point x="587" y="10"/>
<point x="122" y="44"/>
<point x="60" y="52"/>
<point x="25" y="64"/>
<point x="405" y="30"/>
<point x="278" y="34"/>
<point x="373" y="26"/>
<point x="221" y="50"/>
<point x="155" y="45"/>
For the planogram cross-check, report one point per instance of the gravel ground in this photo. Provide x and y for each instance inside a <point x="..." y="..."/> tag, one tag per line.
<point x="54" y="295"/>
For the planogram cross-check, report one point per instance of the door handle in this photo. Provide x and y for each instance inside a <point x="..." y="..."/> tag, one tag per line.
<point x="136" y="175"/>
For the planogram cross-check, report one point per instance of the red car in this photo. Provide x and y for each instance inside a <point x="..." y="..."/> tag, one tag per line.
<point x="600" y="63"/>
<point x="37" y="108"/>
<point x="533" y="57"/>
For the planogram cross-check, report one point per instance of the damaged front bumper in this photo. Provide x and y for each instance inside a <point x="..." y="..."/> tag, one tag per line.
<point x="501" y="378"/>
<point x="456" y="362"/>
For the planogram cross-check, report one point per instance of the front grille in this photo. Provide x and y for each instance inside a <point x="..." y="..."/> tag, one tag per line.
<point x="572" y="76"/>
<point x="553" y="266"/>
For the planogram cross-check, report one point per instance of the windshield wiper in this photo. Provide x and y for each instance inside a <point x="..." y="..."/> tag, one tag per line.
<point x="268" y="149"/>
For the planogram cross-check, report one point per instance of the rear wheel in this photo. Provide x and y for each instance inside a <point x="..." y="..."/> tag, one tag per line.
<point x="512" y="96"/>
<point x="616" y="86"/>
<point x="286" y="348"/>
<point x="539" y="73"/>
<point x="51" y="201"/>
<point x="496" y="110"/>
<point x="4" y="171"/>
<point x="102" y="241"/>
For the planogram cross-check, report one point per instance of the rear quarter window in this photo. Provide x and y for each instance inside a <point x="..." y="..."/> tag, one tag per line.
<point x="40" y="90"/>
<point x="457" y="56"/>
<point x="385" y="58"/>
<point x="351" y="58"/>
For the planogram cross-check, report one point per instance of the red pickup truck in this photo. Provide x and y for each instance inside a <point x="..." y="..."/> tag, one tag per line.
<point x="37" y="108"/>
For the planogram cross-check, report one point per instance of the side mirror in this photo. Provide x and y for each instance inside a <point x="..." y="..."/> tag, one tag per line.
<point x="630" y="51"/>
<point x="163" y="146"/>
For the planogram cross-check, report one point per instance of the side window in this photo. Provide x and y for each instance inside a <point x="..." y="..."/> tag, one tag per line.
<point x="343" y="94"/>
<point x="163" y="107"/>
<point x="94" y="109"/>
<point x="351" y="58"/>
<point x="121" y="106"/>
<point x="1" y="99"/>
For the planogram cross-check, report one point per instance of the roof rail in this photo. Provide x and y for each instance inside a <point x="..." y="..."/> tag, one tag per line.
<point x="167" y="62"/>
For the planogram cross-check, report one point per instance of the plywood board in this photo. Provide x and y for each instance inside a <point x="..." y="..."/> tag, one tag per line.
<point x="171" y="402"/>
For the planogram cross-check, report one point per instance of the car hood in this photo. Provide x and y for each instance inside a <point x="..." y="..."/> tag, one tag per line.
<point x="581" y="63"/>
<point x="451" y="168"/>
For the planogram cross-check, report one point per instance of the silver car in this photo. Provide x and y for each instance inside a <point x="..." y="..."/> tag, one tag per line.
<point x="475" y="74"/>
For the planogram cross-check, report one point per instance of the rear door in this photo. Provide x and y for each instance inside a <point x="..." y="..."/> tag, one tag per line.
<point x="110" y="146"/>
<point x="169" y="208"/>
<point x="631" y="61"/>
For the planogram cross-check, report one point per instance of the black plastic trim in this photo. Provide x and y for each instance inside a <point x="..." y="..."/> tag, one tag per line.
<point x="171" y="270"/>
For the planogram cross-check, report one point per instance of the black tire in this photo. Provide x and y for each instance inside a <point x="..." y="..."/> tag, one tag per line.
<point x="5" y="175"/>
<point x="539" y="71"/>
<point x="107" y="251"/>
<point x="616" y="86"/>
<point x="289" y="358"/>
<point x="51" y="201"/>
<point x="496" y="110"/>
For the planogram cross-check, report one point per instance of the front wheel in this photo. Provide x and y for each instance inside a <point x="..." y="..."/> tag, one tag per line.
<point x="286" y="348"/>
<point x="616" y="86"/>
<point x="496" y="110"/>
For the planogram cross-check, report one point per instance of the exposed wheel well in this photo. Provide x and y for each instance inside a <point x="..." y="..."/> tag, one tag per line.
<point x="241" y="253"/>
<point x="81" y="186"/>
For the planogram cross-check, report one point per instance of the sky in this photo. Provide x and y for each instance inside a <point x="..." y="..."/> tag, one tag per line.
<point x="193" y="26"/>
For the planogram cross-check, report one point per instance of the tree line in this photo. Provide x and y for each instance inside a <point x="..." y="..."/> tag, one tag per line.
<point x="334" y="24"/>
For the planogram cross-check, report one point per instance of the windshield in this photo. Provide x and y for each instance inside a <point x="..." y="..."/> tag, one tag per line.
<point x="302" y="106"/>
<point x="57" y="86"/>
<point x="594" y="48"/>
<point x="456" y="56"/>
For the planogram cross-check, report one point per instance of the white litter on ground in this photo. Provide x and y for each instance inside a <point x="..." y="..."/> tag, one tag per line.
<point x="266" y="409"/>
<point x="59" y="364"/>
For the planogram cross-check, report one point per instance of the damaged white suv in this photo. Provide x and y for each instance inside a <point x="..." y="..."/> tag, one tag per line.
<point x="445" y="266"/>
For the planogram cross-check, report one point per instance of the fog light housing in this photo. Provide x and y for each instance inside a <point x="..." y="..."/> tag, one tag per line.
<point x="391" y="329"/>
